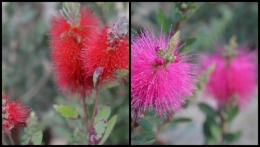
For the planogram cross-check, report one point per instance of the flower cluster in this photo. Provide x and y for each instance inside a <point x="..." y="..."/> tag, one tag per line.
<point x="14" y="114"/>
<point x="234" y="77"/>
<point x="160" y="76"/>
<point x="79" y="45"/>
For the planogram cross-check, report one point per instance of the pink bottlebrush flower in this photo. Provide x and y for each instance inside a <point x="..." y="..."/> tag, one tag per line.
<point x="68" y="36"/>
<point x="14" y="114"/>
<point x="108" y="49"/>
<point x="234" y="78"/>
<point x="160" y="76"/>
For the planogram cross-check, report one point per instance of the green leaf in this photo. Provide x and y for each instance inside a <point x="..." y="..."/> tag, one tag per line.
<point x="231" y="137"/>
<point x="120" y="73"/>
<point x="207" y="126"/>
<point x="66" y="111"/>
<point x="230" y="112"/>
<point x="207" y="110"/>
<point x="162" y="20"/>
<point x="145" y="136"/>
<point x="149" y="142"/>
<point x="97" y="132"/>
<point x="184" y="5"/>
<point x="192" y="6"/>
<point x="206" y="129"/>
<point x="36" y="139"/>
<point x="211" y="141"/>
<point x="215" y="130"/>
<point x="174" y="40"/>
<point x="96" y="74"/>
<point x="145" y="124"/>
<point x="111" y="84"/>
<point x="181" y="120"/>
<point x="103" y="113"/>
<point x="110" y="125"/>
<point x="188" y="41"/>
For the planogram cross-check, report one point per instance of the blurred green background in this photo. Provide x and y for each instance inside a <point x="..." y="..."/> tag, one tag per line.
<point x="210" y="23"/>
<point x="27" y="72"/>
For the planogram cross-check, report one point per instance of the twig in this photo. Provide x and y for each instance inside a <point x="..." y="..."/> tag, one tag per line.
<point x="95" y="108"/>
<point x="85" y="112"/>
<point x="222" y="121"/>
<point x="178" y="24"/>
<point x="11" y="139"/>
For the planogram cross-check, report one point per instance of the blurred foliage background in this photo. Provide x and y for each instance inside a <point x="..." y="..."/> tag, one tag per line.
<point x="27" y="71"/>
<point x="211" y="23"/>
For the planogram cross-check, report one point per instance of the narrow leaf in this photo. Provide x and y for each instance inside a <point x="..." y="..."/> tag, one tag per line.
<point x="215" y="130"/>
<point x="207" y="110"/>
<point x="145" y="136"/>
<point x="96" y="74"/>
<point x="181" y="120"/>
<point x="231" y="137"/>
<point x="173" y="42"/>
<point x="149" y="142"/>
<point x="145" y="124"/>
<point x="97" y="132"/>
<point x="103" y="113"/>
<point x="67" y="111"/>
<point x="188" y="41"/>
<point x="110" y="125"/>
<point x="162" y="20"/>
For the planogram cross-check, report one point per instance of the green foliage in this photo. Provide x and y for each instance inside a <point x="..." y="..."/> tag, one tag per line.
<point x="97" y="132"/>
<point x="231" y="137"/>
<point x="120" y="73"/>
<point x="66" y="111"/>
<point x="110" y="125"/>
<point x="207" y="110"/>
<point x="181" y="120"/>
<point x="230" y="112"/>
<point x="103" y="113"/>
<point x="145" y="124"/>
<point x="144" y="137"/>
<point x="36" y="139"/>
<point x="162" y="20"/>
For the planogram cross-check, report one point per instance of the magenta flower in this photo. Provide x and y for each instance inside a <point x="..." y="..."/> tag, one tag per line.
<point x="234" y="78"/>
<point x="161" y="78"/>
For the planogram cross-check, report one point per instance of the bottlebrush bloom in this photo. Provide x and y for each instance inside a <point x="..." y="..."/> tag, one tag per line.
<point x="14" y="114"/>
<point x="68" y="36"/>
<point x="160" y="76"/>
<point x="234" y="77"/>
<point x="108" y="49"/>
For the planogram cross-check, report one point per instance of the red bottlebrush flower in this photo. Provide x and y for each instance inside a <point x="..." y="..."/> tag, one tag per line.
<point x="67" y="39"/>
<point x="14" y="114"/>
<point x="108" y="49"/>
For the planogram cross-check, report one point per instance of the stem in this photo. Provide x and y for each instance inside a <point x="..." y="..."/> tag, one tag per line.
<point x="95" y="108"/>
<point x="133" y="122"/>
<point x="178" y="24"/>
<point x="85" y="112"/>
<point x="11" y="139"/>
<point x="222" y="122"/>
